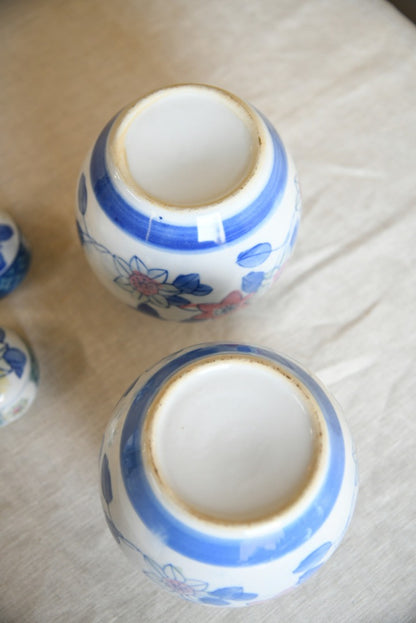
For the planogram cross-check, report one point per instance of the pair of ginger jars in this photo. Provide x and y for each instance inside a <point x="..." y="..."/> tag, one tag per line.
<point x="227" y="471"/>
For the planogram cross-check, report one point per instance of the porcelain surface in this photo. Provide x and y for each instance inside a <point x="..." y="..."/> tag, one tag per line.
<point x="19" y="376"/>
<point x="14" y="255"/>
<point x="188" y="204"/>
<point x="228" y="474"/>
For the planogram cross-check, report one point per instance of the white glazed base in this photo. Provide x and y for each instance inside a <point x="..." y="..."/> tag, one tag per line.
<point x="233" y="440"/>
<point x="186" y="147"/>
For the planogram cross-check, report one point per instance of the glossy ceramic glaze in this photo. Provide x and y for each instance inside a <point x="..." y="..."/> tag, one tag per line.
<point x="188" y="204"/>
<point x="19" y="376"/>
<point x="14" y="255"/>
<point x="227" y="474"/>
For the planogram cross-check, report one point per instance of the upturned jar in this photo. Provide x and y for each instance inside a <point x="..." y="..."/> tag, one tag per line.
<point x="228" y="474"/>
<point x="188" y="203"/>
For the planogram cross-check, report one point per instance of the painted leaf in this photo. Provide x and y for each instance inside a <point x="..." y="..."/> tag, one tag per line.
<point x="106" y="480"/>
<point x="213" y="601"/>
<point x="252" y="281"/>
<point x="16" y="360"/>
<point x="6" y="232"/>
<point x="187" y="283"/>
<point x="80" y="233"/>
<point x="82" y="195"/>
<point x="157" y="274"/>
<point x="314" y="558"/>
<point x="153" y="564"/>
<point x="254" y="256"/>
<point x="147" y="309"/>
<point x="234" y="593"/>
<point x="177" y="301"/>
<point x="308" y="574"/>
<point x="113" y="528"/>
<point x="202" y="290"/>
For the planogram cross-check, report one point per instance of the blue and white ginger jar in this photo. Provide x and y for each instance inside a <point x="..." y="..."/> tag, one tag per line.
<point x="228" y="474"/>
<point x="188" y="204"/>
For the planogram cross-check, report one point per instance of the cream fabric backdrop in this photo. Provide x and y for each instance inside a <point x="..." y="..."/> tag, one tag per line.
<point x="337" y="78"/>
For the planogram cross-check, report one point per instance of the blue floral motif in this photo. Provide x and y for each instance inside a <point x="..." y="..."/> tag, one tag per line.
<point x="12" y="360"/>
<point x="6" y="232"/>
<point x="312" y="562"/>
<point x="172" y="579"/>
<point x="253" y="281"/>
<point x="150" y="286"/>
<point x="260" y="253"/>
<point x="106" y="480"/>
<point x="82" y="194"/>
<point x="168" y="576"/>
<point x="255" y="256"/>
<point x="190" y="284"/>
<point x="222" y="596"/>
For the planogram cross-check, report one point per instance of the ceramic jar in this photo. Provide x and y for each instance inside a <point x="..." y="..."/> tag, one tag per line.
<point x="228" y="474"/>
<point x="19" y="375"/>
<point x="14" y="255"/>
<point x="188" y="204"/>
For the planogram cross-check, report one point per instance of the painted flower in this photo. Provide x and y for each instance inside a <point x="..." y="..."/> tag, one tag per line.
<point x="312" y="562"/>
<point x="172" y="579"/>
<point x="148" y="285"/>
<point x="11" y="359"/>
<point x="253" y="281"/>
<point x="230" y="303"/>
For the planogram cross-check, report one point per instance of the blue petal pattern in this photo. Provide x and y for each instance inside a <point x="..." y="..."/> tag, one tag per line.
<point x="106" y="480"/>
<point x="253" y="281"/>
<point x="16" y="360"/>
<point x="190" y="284"/>
<point x="6" y="232"/>
<point x="254" y="256"/>
<point x="235" y="593"/>
<point x="82" y="195"/>
<point x="315" y="557"/>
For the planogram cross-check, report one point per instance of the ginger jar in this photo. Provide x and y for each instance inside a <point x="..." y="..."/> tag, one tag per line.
<point x="228" y="474"/>
<point x="188" y="204"/>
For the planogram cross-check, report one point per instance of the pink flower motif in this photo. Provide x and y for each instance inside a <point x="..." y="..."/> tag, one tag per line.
<point x="230" y="303"/>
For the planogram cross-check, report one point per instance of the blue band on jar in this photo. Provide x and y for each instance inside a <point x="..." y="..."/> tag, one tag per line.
<point x="169" y="235"/>
<point x="206" y="548"/>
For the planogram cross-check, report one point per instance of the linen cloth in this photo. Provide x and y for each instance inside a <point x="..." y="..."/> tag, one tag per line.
<point x="337" y="79"/>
